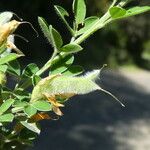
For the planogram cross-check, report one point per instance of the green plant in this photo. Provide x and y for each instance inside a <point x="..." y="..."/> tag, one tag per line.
<point x="22" y="108"/>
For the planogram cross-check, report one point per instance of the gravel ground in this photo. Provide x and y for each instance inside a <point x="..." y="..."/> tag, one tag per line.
<point x="97" y="122"/>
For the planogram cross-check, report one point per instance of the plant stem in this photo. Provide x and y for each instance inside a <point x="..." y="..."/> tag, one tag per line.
<point x="48" y="64"/>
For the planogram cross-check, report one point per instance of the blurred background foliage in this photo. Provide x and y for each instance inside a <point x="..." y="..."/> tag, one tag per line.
<point x="122" y="43"/>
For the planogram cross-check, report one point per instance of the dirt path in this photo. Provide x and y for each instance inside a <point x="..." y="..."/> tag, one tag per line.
<point x="97" y="122"/>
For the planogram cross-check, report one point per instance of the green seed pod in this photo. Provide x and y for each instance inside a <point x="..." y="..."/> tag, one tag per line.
<point x="2" y="78"/>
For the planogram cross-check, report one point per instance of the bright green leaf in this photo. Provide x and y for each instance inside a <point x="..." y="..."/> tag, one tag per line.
<point x="56" y="39"/>
<point x="8" y="58"/>
<point x="137" y="10"/>
<point x="61" y="11"/>
<point x="30" y="110"/>
<point x="73" y="71"/>
<point x="61" y="65"/>
<point x="3" y="68"/>
<point x="79" y="9"/>
<point x="71" y="48"/>
<point x="42" y="105"/>
<point x="20" y="104"/>
<point x="7" y="117"/>
<point x="6" y="105"/>
<point x="117" y="12"/>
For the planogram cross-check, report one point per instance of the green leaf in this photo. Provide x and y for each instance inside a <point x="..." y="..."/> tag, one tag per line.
<point x="42" y="105"/>
<point x="137" y="10"/>
<point x="56" y="39"/>
<point x="31" y="126"/>
<point x="3" y="68"/>
<point x="30" y="70"/>
<point x="50" y="33"/>
<point x="71" y="48"/>
<point x="3" y="48"/>
<point x="62" y="13"/>
<point x="79" y="9"/>
<point x="88" y="23"/>
<point x="7" y="117"/>
<point x="35" y="80"/>
<point x="20" y="104"/>
<point x="61" y="65"/>
<point x="8" y="58"/>
<point x="44" y="28"/>
<point x="120" y="13"/>
<point x="6" y="105"/>
<point x="14" y="68"/>
<point x="30" y="110"/>
<point x="73" y="71"/>
<point x="117" y="12"/>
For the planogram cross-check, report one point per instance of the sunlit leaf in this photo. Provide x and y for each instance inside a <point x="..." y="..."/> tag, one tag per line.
<point x="117" y="12"/>
<point x="9" y="58"/>
<point x="71" y="48"/>
<point x="79" y="9"/>
<point x="6" y="105"/>
<point x="7" y="117"/>
<point x="3" y="68"/>
<point x="42" y="105"/>
<point x="30" y="110"/>
<point x="137" y="10"/>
